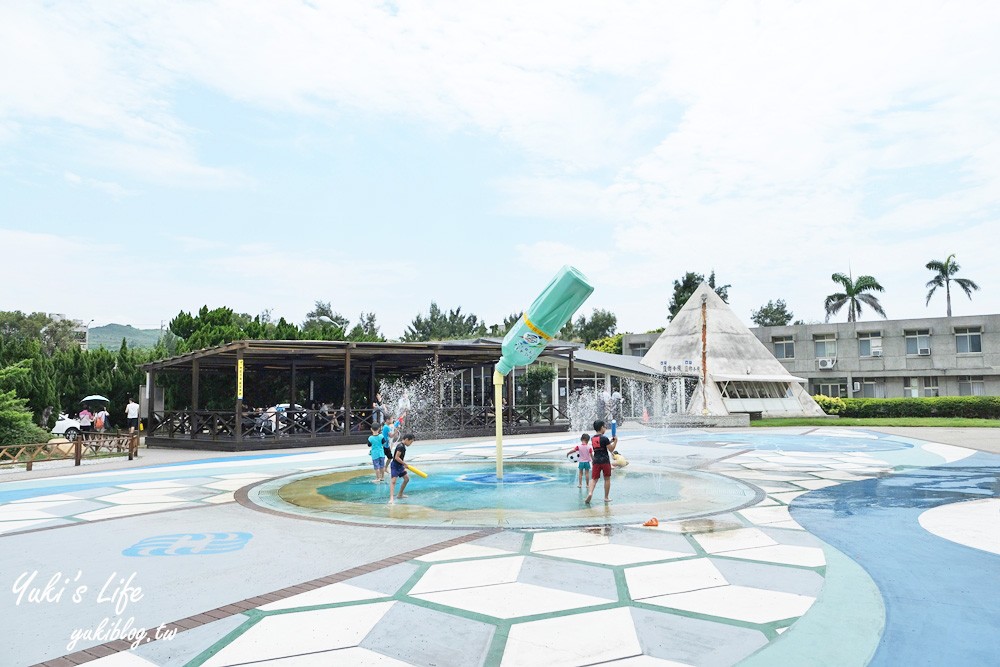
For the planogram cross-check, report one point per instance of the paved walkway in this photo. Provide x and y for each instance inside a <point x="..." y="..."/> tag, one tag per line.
<point x="793" y="557"/>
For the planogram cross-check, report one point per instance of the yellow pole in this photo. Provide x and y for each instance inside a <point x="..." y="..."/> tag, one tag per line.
<point x="498" y="411"/>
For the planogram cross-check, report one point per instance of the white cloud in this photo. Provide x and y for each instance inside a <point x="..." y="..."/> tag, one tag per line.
<point x="749" y="138"/>
<point x="115" y="190"/>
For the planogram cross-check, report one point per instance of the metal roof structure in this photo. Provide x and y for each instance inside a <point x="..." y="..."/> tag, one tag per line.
<point x="320" y="354"/>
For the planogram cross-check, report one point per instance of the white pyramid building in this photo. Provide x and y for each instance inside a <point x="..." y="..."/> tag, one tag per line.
<point x="740" y="374"/>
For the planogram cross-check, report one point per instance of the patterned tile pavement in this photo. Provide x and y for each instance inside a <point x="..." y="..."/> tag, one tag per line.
<point x="713" y="590"/>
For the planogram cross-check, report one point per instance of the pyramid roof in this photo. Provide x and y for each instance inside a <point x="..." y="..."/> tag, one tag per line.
<point x="732" y="352"/>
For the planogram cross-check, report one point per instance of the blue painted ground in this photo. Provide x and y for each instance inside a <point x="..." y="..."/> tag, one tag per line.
<point x="942" y="599"/>
<point x="811" y="442"/>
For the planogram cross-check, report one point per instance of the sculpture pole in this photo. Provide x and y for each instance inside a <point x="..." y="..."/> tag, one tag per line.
<point x="529" y="335"/>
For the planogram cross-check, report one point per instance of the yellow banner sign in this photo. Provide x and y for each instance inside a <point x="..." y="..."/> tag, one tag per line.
<point x="239" y="379"/>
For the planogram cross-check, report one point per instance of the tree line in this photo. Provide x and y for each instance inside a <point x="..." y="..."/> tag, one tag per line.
<point x="42" y="365"/>
<point x="855" y="294"/>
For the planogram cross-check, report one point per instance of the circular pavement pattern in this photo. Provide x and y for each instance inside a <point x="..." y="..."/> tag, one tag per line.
<point x="461" y="495"/>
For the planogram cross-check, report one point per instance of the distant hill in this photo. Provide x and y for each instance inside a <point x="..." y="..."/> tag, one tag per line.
<point x="110" y="336"/>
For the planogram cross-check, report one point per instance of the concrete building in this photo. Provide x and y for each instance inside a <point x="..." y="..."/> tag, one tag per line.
<point x="934" y="356"/>
<point x="81" y="331"/>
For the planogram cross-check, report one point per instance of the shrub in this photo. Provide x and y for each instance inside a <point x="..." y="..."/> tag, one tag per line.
<point x="16" y="424"/>
<point x="976" y="407"/>
<point x="611" y="344"/>
<point x="831" y="405"/>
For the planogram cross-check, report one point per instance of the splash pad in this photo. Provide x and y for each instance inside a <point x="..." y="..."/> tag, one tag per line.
<point x="534" y="494"/>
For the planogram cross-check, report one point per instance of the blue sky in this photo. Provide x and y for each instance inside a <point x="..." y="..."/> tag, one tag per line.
<point x="264" y="156"/>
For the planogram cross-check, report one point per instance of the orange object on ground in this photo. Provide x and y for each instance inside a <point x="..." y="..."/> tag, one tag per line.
<point x="652" y="522"/>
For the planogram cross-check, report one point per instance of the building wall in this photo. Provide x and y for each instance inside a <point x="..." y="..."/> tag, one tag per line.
<point x="943" y="362"/>
<point x="636" y="345"/>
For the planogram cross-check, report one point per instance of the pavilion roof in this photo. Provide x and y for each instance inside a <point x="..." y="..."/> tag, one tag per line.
<point x="324" y="354"/>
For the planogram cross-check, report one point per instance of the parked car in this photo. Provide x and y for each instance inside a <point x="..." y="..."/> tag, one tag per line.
<point x="66" y="427"/>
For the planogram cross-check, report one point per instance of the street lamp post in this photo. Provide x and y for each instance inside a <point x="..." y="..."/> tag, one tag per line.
<point x="86" y="340"/>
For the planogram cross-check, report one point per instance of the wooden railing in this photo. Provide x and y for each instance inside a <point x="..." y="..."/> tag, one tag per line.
<point x="219" y="425"/>
<point x="85" y="446"/>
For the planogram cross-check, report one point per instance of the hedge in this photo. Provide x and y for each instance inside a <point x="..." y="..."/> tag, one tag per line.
<point x="830" y="405"/>
<point x="977" y="407"/>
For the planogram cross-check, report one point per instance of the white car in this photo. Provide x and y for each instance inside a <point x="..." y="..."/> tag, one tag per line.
<point x="66" y="427"/>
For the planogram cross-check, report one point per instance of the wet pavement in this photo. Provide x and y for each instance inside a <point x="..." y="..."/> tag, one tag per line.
<point x="816" y="546"/>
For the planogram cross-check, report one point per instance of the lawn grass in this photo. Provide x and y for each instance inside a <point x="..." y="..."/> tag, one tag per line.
<point x="954" y="422"/>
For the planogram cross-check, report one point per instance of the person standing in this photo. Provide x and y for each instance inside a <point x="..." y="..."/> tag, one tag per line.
<point x="584" y="452"/>
<point x="102" y="420"/>
<point x="387" y="436"/>
<point x="132" y="415"/>
<point x="378" y="409"/>
<point x="398" y="468"/>
<point x="86" y="418"/>
<point x="603" y="448"/>
<point x="377" y="453"/>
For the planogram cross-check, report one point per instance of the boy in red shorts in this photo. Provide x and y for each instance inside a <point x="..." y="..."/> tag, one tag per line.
<point x="603" y="448"/>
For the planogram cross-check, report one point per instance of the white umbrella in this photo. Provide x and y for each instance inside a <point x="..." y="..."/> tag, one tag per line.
<point x="94" y="397"/>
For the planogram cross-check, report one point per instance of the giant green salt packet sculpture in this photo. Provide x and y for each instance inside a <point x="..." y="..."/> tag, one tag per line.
<point x="538" y="324"/>
<point x="542" y="321"/>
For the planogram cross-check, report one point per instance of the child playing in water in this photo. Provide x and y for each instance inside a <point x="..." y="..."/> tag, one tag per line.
<point x="603" y="448"/>
<point x="398" y="468"/>
<point x="378" y="455"/>
<point x="388" y="431"/>
<point x="584" y="451"/>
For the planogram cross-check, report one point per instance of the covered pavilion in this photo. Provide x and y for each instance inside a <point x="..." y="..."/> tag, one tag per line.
<point x="301" y="375"/>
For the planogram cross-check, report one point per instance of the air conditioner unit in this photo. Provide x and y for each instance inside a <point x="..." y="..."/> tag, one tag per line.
<point x="924" y="352"/>
<point x="876" y="353"/>
<point x="826" y="364"/>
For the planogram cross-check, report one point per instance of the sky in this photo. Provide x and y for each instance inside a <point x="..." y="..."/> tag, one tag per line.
<point x="157" y="157"/>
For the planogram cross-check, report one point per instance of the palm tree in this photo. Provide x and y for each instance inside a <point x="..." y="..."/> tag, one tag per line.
<point x="855" y="293"/>
<point x="945" y="271"/>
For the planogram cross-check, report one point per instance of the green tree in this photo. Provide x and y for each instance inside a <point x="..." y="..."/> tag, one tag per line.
<point x="17" y="426"/>
<point x="856" y="292"/>
<point x="322" y="323"/>
<point x="611" y="344"/>
<point x="772" y="314"/>
<point x="16" y="326"/>
<point x="945" y="276"/>
<point x="366" y="330"/>
<point x="502" y="328"/>
<point x="53" y="334"/>
<point x="210" y="328"/>
<point x="535" y="379"/>
<point x="601" y="324"/>
<point x="439" y="325"/>
<point x="686" y="286"/>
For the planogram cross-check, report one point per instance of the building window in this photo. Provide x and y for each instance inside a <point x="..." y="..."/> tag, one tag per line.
<point x="968" y="340"/>
<point x="834" y="388"/>
<point x="872" y="387"/>
<point x="918" y="342"/>
<point x="912" y="387"/>
<point x="737" y="389"/>
<point x="784" y="347"/>
<point x="870" y="344"/>
<point x="826" y="345"/>
<point x="971" y="385"/>
<point x="637" y="349"/>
